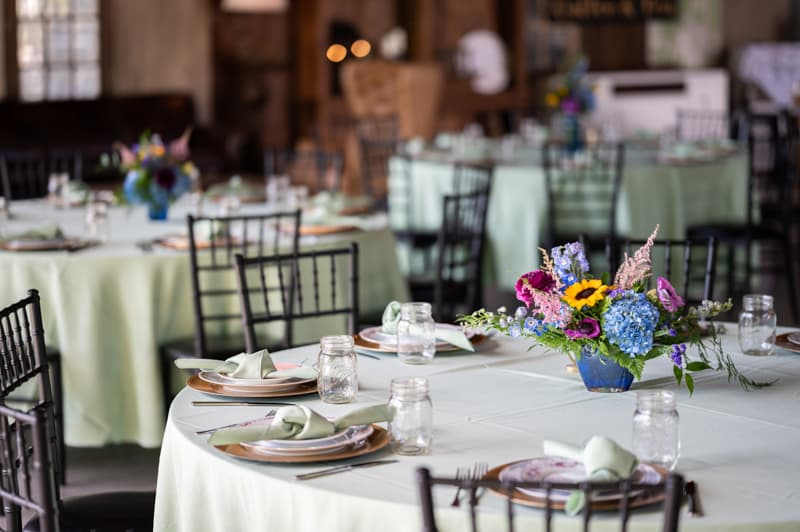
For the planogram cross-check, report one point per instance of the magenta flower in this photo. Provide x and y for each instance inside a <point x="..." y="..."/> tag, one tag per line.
<point x="667" y="295"/>
<point x="535" y="280"/>
<point x="587" y="328"/>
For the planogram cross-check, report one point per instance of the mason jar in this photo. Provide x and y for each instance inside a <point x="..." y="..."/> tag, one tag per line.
<point x="416" y="334"/>
<point x="411" y="416"/>
<point x="656" y="428"/>
<point x="338" y="370"/>
<point x="757" y="323"/>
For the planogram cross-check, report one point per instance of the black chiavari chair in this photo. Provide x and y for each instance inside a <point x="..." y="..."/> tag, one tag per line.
<point x="690" y="265"/>
<point x="291" y="287"/>
<point x="213" y="243"/>
<point x="702" y="125"/>
<point x="582" y="192"/>
<point x="772" y="182"/>
<point x="24" y="174"/>
<point x="671" y="488"/>
<point x="31" y="456"/>
<point x="318" y="170"/>
<point x="378" y="139"/>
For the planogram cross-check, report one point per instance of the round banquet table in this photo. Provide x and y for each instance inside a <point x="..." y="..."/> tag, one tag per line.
<point x="496" y="406"/>
<point x="108" y="309"/>
<point x="674" y="196"/>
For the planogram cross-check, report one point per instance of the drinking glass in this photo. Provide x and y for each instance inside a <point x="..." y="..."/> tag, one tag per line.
<point x="411" y="410"/>
<point x="338" y="369"/>
<point x="757" y="323"/>
<point x="416" y="334"/>
<point x="97" y="225"/>
<point x="656" y="428"/>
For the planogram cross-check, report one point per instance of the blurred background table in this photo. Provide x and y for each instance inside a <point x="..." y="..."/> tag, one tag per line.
<point x="675" y="196"/>
<point x="108" y="309"/>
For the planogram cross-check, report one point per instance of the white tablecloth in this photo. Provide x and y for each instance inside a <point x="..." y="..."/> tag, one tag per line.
<point x="109" y="308"/>
<point x="497" y="406"/>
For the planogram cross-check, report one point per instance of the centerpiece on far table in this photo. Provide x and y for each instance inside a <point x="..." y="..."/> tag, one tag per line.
<point x="612" y="329"/>
<point x="572" y="95"/>
<point x="156" y="174"/>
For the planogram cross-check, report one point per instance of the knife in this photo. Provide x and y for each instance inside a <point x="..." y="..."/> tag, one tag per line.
<point x="342" y="469"/>
<point x="693" y="499"/>
<point x="237" y="403"/>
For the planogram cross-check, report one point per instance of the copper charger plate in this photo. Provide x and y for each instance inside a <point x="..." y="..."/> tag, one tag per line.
<point x="317" y="230"/>
<point x="48" y="245"/>
<point x="196" y="383"/>
<point x="645" y="498"/>
<point x="181" y="243"/>
<point x="375" y="442"/>
<point x="782" y="341"/>
<point x="372" y="346"/>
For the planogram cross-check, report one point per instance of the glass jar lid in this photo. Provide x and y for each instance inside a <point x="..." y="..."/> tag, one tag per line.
<point x="655" y="400"/>
<point x="410" y="387"/>
<point x="757" y="302"/>
<point x="415" y="310"/>
<point x="341" y="344"/>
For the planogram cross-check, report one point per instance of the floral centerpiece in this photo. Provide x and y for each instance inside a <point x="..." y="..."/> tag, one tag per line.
<point x="612" y="329"/>
<point x="156" y="174"/>
<point x="572" y="95"/>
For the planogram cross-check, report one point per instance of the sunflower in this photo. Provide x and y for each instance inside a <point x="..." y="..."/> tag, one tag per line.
<point x="585" y="293"/>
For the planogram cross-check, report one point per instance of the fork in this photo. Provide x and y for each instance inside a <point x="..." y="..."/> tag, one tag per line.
<point x="240" y="424"/>
<point x="479" y="469"/>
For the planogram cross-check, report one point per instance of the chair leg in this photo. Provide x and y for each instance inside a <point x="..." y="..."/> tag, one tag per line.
<point x="731" y="273"/>
<point x="58" y="397"/>
<point x="788" y="254"/>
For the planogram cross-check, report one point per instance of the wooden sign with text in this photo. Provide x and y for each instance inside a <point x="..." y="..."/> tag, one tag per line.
<point x="611" y="10"/>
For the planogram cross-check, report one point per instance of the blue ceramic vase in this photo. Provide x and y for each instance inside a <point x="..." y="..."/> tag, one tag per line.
<point x="573" y="136"/>
<point x="158" y="210"/>
<point x="602" y="374"/>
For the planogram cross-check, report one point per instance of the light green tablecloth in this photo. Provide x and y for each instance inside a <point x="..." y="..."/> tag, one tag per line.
<point x="108" y="308"/>
<point x="497" y="406"/>
<point x="673" y="196"/>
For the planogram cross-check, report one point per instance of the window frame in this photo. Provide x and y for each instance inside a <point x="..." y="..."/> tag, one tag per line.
<point x="11" y="61"/>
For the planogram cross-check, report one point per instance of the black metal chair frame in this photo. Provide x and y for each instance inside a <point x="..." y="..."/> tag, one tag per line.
<point x="602" y="171"/>
<point x="779" y="183"/>
<point x="688" y="250"/>
<point x="24" y="358"/>
<point x="672" y="488"/>
<point x="28" y="171"/>
<point x="220" y="254"/>
<point x="280" y="162"/>
<point x="706" y="125"/>
<point x="291" y="290"/>
<point x="460" y="248"/>
<point x="378" y="139"/>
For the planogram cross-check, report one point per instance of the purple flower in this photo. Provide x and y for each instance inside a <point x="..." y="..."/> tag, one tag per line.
<point x="570" y="106"/>
<point x="678" y="352"/>
<point x="667" y="295"/>
<point x="165" y="177"/>
<point x="535" y="280"/>
<point x="587" y="328"/>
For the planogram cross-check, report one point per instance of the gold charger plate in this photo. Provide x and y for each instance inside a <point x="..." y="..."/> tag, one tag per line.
<point x="373" y="346"/>
<point x="782" y="341"/>
<point x="645" y="498"/>
<point x="69" y="244"/>
<point x="181" y="243"/>
<point x="375" y="442"/>
<point x="196" y="383"/>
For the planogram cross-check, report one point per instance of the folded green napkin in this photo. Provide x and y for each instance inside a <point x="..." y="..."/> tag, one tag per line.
<point x="256" y="365"/>
<point x="603" y="458"/>
<point x="299" y="422"/>
<point x="49" y="232"/>
<point x="391" y="316"/>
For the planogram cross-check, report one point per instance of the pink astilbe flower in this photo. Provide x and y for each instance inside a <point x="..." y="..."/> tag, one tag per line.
<point x="548" y="268"/>
<point x="635" y="268"/>
<point x="550" y="306"/>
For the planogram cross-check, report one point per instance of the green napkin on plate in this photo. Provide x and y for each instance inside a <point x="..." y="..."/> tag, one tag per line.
<point x="44" y="234"/>
<point x="299" y="422"/>
<point x="603" y="458"/>
<point x="256" y="365"/>
<point x="391" y="316"/>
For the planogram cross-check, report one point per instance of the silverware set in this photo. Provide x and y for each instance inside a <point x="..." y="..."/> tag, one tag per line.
<point x="239" y="403"/>
<point x="215" y="429"/>
<point x="478" y="471"/>
<point x="342" y="469"/>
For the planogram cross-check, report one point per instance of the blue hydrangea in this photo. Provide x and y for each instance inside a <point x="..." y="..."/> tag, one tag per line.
<point x="629" y="323"/>
<point x="569" y="263"/>
<point x="514" y="330"/>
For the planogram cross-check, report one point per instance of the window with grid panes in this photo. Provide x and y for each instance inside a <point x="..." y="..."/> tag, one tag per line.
<point x="58" y="49"/>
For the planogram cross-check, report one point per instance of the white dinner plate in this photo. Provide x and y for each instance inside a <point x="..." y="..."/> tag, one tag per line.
<point x="794" y="338"/>
<point x="347" y="437"/>
<point x="268" y="384"/>
<point x="557" y="469"/>
<point x="389" y="341"/>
